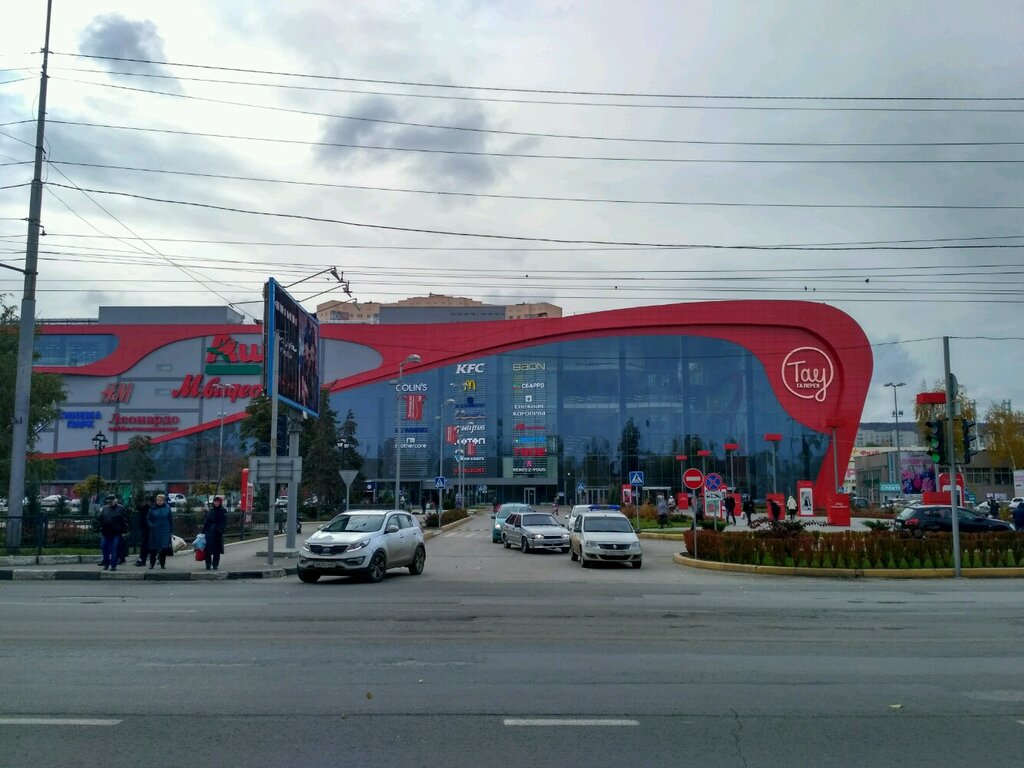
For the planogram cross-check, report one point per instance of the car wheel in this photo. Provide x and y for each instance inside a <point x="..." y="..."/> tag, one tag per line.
<point x="504" y="540"/>
<point x="637" y="563"/>
<point x="378" y="567"/>
<point x="524" y="545"/>
<point x="308" y="577"/>
<point x="572" y="554"/>
<point x="418" y="559"/>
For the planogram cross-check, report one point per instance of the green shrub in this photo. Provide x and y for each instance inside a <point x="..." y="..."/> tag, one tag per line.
<point x="927" y="562"/>
<point x="788" y="562"/>
<point x="904" y="563"/>
<point x="826" y="561"/>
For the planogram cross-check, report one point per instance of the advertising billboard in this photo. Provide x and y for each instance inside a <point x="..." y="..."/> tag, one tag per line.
<point x="296" y="372"/>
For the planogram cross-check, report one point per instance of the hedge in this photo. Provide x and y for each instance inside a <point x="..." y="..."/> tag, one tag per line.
<point x="857" y="549"/>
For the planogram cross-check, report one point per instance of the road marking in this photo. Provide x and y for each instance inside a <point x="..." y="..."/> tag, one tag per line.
<point x="55" y="721"/>
<point x="570" y="722"/>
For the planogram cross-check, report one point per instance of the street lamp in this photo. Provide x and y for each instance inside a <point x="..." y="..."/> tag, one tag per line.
<point x="220" y="453"/>
<point x="99" y="442"/>
<point x="459" y="456"/>
<point x="896" y="414"/>
<point x="398" y="429"/>
<point x="440" y="457"/>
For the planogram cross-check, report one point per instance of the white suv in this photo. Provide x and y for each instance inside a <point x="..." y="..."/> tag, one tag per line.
<point x="604" y="537"/>
<point x="367" y="543"/>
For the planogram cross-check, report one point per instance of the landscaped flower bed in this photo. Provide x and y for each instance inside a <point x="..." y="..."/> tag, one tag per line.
<point x="858" y="550"/>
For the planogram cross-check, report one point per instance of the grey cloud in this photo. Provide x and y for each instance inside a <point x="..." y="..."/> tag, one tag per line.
<point x="461" y="172"/>
<point x="114" y="35"/>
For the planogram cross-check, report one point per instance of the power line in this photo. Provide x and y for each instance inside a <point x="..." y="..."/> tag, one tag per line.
<point x="536" y="156"/>
<point x="549" y="135"/>
<point x="421" y="84"/>
<point x="545" y="198"/>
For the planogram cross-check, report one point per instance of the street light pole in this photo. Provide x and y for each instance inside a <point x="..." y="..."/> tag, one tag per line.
<point x="440" y="457"/>
<point x="220" y="452"/>
<point x="99" y="442"/>
<point x="398" y="428"/>
<point x="896" y="414"/>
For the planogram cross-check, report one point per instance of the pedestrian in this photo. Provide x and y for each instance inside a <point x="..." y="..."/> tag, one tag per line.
<point x="214" y="525"/>
<point x="791" y="507"/>
<point x="730" y="508"/>
<point x="748" y="509"/>
<point x="662" y="511"/>
<point x="774" y="510"/>
<point x="113" y="524"/>
<point x="142" y="526"/>
<point x="423" y="503"/>
<point x="1018" y="517"/>
<point x="161" y="527"/>
<point x="993" y="507"/>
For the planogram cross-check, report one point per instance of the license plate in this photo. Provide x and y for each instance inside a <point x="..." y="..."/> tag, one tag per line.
<point x="324" y="564"/>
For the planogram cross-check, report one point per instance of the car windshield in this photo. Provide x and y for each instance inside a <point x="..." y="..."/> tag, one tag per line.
<point x="507" y="509"/>
<point x="539" y="520"/>
<point x="595" y="524"/>
<point x="358" y="523"/>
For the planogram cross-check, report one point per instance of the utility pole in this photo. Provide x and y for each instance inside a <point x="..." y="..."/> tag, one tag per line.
<point x="26" y="331"/>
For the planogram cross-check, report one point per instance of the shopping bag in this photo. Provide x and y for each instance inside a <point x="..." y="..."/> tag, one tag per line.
<point x="200" y="542"/>
<point x="200" y="555"/>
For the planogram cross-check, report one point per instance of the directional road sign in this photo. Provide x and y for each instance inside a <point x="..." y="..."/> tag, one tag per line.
<point x="693" y="478"/>
<point x="636" y="477"/>
<point x="714" y="481"/>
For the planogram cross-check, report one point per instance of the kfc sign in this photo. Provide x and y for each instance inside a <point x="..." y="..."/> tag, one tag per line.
<point x="807" y="373"/>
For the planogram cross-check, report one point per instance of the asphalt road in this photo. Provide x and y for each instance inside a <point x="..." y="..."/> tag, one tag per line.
<point x="496" y="658"/>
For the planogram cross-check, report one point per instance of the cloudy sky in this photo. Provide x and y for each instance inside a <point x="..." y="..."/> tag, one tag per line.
<point x="592" y="154"/>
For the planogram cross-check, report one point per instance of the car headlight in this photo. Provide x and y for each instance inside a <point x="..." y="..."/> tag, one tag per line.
<point x="357" y="546"/>
<point x="497" y="526"/>
<point x="565" y="535"/>
<point x="537" y="536"/>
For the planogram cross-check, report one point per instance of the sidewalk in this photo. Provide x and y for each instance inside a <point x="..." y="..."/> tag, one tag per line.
<point x="241" y="560"/>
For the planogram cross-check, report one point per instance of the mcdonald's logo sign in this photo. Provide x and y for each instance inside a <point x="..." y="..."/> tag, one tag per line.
<point x="469" y="385"/>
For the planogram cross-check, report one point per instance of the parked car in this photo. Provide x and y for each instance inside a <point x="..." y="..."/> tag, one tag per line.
<point x="503" y="512"/>
<point x="604" y="537"/>
<point x="938" y="518"/>
<point x="534" y="530"/>
<point x="367" y="543"/>
<point x="579" y="509"/>
<point x="49" y="502"/>
<point x="859" y="502"/>
<point x="177" y="499"/>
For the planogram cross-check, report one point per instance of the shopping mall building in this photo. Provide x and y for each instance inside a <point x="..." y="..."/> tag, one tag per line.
<point x="765" y="393"/>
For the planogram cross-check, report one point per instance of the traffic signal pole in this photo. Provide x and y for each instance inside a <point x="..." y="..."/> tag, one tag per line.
<point x="951" y="455"/>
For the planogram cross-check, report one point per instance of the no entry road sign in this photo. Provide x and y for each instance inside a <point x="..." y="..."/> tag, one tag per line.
<point x="693" y="478"/>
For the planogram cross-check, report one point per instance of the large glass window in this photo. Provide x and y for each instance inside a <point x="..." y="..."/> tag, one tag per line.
<point x="584" y="413"/>
<point x="73" y="349"/>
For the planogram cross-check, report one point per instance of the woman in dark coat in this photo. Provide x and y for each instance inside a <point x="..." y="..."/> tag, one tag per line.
<point x="142" y="526"/>
<point x="214" y="525"/>
<point x="161" y="526"/>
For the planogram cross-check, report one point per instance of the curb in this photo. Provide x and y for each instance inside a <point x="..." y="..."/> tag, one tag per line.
<point x="849" y="573"/>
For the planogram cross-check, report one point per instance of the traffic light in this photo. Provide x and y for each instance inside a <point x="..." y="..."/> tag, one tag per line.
<point x="935" y="440"/>
<point x="970" y="435"/>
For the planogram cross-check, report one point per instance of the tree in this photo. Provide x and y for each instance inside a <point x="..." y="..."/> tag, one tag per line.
<point x="322" y="456"/>
<point x="1004" y="429"/>
<point x="138" y="465"/>
<point x="44" y="405"/>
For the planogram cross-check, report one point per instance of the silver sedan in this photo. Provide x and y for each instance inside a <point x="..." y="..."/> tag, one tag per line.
<point x="534" y="530"/>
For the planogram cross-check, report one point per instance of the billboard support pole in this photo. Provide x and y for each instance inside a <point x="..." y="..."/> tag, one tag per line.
<point x="275" y="347"/>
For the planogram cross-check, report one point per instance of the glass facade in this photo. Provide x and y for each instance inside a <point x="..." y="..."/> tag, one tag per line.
<point x="577" y="416"/>
<point x="73" y="349"/>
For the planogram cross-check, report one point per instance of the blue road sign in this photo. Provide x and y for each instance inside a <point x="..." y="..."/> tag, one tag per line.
<point x="636" y="477"/>
<point x="580" y="487"/>
<point x="713" y="481"/>
<point x="439" y="482"/>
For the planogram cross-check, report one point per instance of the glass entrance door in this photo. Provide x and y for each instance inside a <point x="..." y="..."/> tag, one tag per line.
<point x="530" y="496"/>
